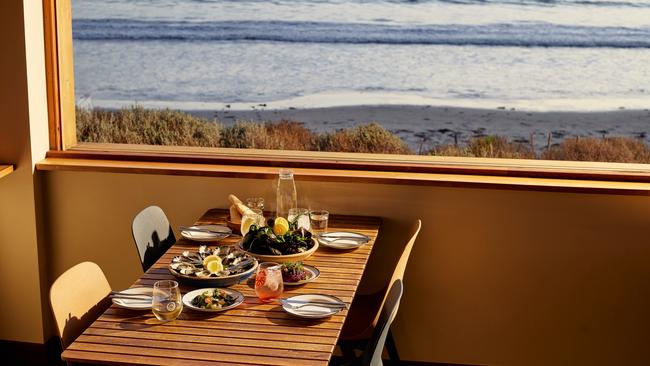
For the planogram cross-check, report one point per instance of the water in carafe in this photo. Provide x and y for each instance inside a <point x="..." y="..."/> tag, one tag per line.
<point x="286" y="196"/>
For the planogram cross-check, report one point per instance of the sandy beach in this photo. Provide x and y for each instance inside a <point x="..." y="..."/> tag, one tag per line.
<point x="425" y="126"/>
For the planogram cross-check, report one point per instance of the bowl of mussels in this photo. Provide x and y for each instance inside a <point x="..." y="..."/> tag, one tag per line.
<point x="278" y="241"/>
<point x="220" y="267"/>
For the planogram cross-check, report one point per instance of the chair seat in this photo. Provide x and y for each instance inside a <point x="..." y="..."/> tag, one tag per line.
<point x="359" y="323"/>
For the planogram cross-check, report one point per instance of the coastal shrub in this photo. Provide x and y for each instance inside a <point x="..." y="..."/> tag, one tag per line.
<point x="486" y="147"/>
<point x="370" y="138"/>
<point x="137" y="125"/>
<point x="607" y="149"/>
<point x="287" y="135"/>
<point x="241" y="135"/>
<point x="283" y="135"/>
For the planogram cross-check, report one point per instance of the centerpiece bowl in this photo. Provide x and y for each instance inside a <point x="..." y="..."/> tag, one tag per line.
<point x="283" y="258"/>
<point x="279" y="241"/>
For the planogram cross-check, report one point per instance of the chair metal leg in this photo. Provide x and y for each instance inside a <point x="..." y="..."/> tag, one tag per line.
<point x="391" y="347"/>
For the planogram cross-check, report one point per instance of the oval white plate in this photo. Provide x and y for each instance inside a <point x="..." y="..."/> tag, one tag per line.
<point x="134" y="304"/>
<point x="200" y="236"/>
<point x="312" y="274"/>
<point x="343" y="243"/>
<point x="311" y="311"/>
<point x="188" y="297"/>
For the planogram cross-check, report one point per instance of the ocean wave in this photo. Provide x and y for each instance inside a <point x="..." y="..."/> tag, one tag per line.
<point x="605" y="3"/>
<point x="511" y="34"/>
<point x="595" y="3"/>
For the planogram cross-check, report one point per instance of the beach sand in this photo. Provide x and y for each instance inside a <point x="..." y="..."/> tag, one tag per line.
<point x="425" y="126"/>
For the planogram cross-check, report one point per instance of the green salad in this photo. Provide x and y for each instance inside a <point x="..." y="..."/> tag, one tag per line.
<point x="213" y="299"/>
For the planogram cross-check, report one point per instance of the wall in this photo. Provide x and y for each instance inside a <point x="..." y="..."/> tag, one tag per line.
<point x="23" y="141"/>
<point x="496" y="277"/>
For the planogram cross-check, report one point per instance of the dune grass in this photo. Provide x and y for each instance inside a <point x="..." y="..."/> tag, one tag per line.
<point x="137" y="125"/>
<point x="606" y="149"/>
<point x="487" y="147"/>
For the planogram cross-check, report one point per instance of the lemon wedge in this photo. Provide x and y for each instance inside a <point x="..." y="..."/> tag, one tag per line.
<point x="281" y="226"/>
<point x="246" y="224"/>
<point x="214" y="266"/>
<point x="213" y="263"/>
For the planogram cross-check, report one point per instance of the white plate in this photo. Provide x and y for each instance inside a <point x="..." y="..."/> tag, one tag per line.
<point x="188" y="297"/>
<point x="311" y="311"/>
<point x="312" y="274"/>
<point x="199" y="236"/>
<point x="343" y="243"/>
<point x="134" y="304"/>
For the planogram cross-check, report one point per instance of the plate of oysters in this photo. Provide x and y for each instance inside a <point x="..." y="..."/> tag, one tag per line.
<point x="221" y="266"/>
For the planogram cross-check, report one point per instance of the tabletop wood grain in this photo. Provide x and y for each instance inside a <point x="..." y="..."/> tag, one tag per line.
<point x="253" y="333"/>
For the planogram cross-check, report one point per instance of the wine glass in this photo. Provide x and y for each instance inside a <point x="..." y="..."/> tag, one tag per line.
<point x="255" y="202"/>
<point x="268" y="282"/>
<point x="167" y="304"/>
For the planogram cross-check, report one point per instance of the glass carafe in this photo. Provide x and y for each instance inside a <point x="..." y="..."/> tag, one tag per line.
<point x="286" y="195"/>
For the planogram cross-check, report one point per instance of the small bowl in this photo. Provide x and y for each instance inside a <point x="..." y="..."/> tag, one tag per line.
<point x="234" y="226"/>
<point x="283" y="258"/>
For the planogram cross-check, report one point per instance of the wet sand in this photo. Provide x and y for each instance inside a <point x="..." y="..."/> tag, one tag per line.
<point x="425" y="126"/>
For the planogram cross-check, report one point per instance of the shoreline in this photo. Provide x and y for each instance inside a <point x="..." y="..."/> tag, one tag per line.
<point x="422" y="127"/>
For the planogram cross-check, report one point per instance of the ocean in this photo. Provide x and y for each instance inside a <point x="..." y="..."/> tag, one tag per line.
<point x="206" y="54"/>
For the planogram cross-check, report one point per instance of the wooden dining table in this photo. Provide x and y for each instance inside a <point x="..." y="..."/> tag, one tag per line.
<point x="254" y="333"/>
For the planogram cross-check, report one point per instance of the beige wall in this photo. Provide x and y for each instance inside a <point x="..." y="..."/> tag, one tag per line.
<point x="498" y="277"/>
<point x="21" y="313"/>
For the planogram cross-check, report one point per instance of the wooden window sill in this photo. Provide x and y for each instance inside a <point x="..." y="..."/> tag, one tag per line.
<point x="5" y="170"/>
<point x="347" y="175"/>
<point x="618" y="172"/>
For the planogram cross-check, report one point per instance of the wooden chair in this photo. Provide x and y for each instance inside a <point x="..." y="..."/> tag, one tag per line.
<point x="152" y="235"/>
<point x="366" y="309"/>
<point x="78" y="297"/>
<point x="372" y="354"/>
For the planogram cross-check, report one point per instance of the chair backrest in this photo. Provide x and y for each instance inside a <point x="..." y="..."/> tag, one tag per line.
<point x="400" y="268"/>
<point x="78" y="297"/>
<point x="152" y="235"/>
<point x="375" y="347"/>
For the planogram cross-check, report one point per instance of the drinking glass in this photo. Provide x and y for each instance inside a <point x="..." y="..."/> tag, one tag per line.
<point x="167" y="304"/>
<point x="318" y="220"/>
<point x="256" y="218"/>
<point x="301" y="216"/>
<point x="255" y="202"/>
<point x="268" y="282"/>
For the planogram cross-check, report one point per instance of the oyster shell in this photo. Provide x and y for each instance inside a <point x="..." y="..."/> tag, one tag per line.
<point x="202" y="274"/>
<point x="191" y="263"/>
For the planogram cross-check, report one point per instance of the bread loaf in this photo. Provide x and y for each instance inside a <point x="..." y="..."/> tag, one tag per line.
<point x="235" y="216"/>
<point x="241" y="208"/>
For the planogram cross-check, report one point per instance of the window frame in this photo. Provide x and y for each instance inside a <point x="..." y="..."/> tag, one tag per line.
<point x="63" y="140"/>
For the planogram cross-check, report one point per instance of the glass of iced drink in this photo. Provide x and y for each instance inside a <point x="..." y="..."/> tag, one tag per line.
<point x="268" y="282"/>
<point x="301" y="217"/>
